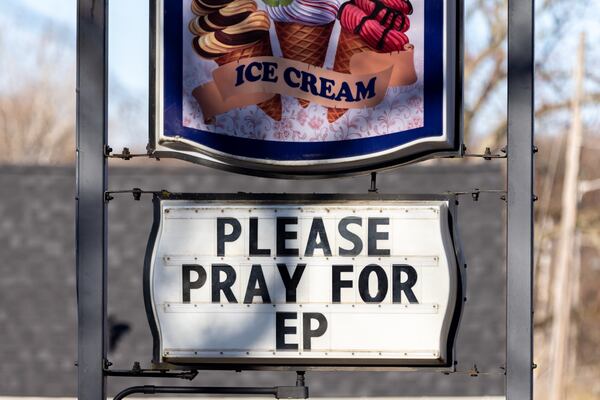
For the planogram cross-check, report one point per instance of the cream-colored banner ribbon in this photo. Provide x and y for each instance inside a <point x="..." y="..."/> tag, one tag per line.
<point x="255" y="80"/>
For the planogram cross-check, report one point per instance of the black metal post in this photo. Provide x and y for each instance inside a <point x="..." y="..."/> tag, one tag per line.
<point x="519" y="303"/>
<point x="92" y="89"/>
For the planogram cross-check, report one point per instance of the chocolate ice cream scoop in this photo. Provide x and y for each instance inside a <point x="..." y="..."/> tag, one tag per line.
<point x="254" y="28"/>
<point x="232" y="14"/>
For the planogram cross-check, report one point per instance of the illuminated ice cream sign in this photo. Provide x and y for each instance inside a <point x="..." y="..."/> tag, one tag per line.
<point x="306" y="87"/>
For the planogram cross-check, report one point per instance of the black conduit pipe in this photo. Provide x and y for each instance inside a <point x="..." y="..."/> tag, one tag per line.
<point x="148" y="389"/>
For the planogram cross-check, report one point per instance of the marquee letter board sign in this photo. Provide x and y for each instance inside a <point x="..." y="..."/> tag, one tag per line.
<point x="305" y="87"/>
<point x="312" y="281"/>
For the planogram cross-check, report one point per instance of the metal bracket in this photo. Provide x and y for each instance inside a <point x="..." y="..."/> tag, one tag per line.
<point x="474" y="372"/>
<point x="138" y="371"/>
<point x="373" y="188"/>
<point x="136" y="192"/>
<point x="487" y="154"/>
<point x="476" y="193"/>
<point x="126" y="154"/>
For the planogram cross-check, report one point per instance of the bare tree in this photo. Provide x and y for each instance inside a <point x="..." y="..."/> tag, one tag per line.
<point x="486" y="63"/>
<point x="37" y="107"/>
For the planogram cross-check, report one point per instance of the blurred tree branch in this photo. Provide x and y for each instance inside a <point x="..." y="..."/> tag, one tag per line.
<point x="37" y="107"/>
<point x="485" y="66"/>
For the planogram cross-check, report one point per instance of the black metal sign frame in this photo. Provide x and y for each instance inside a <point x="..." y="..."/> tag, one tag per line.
<point x="457" y="265"/>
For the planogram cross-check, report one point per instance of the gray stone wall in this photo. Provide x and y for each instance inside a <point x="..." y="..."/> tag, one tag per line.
<point x="37" y="281"/>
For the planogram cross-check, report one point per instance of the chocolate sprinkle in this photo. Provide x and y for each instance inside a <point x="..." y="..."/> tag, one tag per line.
<point x="240" y="38"/>
<point x="203" y="53"/>
<point x="212" y="3"/>
<point x="222" y="20"/>
<point x="204" y="26"/>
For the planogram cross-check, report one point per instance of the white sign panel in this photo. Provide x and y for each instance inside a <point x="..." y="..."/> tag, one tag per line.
<point x="307" y="283"/>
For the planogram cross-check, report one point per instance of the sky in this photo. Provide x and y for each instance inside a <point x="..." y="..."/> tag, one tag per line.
<point x="128" y="21"/>
<point x="128" y="44"/>
<point x="128" y="27"/>
<point x="128" y="56"/>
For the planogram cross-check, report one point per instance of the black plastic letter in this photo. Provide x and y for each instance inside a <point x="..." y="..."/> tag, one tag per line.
<point x="281" y="330"/>
<point x="406" y="286"/>
<point x="254" y="250"/>
<point x="291" y="283"/>
<point x="222" y="238"/>
<point x="187" y="284"/>
<point x="350" y="236"/>
<point x="283" y="235"/>
<point x="363" y="284"/>
<point x="225" y="286"/>
<point x="307" y="333"/>
<point x="257" y="277"/>
<point x="337" y="283"/>
<point x="317" y="229"/>
<point x="375" y="235"/>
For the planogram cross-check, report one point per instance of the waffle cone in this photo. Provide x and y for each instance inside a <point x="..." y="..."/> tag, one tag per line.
<point x="349" y="44"/>
<point x="304" y="43"/>
<point x="273" y="106"/>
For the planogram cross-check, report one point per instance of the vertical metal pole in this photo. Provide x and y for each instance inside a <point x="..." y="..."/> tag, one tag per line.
<point x="92" y="93"/>
<point x="519" y="303"/>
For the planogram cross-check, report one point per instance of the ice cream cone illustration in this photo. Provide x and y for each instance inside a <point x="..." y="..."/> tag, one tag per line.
<point x="369" y="25"/>
<point x="233" y="32"/>
<point x="304" y="43"/>
<point x="303" y="28"/>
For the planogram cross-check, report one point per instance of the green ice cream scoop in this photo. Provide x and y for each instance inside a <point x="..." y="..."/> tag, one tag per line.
<point x="278" y="3"/>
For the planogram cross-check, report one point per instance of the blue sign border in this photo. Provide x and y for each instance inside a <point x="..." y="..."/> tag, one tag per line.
<point x="294" y="151"/>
